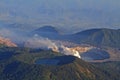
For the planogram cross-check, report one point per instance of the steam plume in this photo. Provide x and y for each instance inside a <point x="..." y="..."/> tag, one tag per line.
<point x="45" y="43"/>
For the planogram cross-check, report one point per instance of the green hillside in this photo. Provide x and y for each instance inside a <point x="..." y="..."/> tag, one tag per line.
<point x="19" y="64"/>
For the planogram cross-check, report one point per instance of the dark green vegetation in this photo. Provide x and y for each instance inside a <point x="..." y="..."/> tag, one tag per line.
<point x="99" y="37"/>
<point x="58" y="60"/>
<point x="110" y="68"/>
<point x="2" y="45"/>
<point x="19" y="64"/>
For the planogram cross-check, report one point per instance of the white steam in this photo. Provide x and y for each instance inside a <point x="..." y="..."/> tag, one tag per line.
<point x="45" y="43"/>
<point x="68" y="51"/>
<point x="40" y="42"/>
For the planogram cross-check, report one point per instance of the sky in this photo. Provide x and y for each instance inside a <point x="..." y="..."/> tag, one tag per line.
<point x="67" y="15"/>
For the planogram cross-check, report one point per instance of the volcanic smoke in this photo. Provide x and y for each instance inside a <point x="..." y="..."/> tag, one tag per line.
<point x="45" y="43"/>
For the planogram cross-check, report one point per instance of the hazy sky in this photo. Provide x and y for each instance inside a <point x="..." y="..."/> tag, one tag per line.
<point x="72" y="14"/>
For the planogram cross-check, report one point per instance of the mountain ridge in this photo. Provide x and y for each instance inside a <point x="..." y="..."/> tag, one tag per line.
<point x="7" y="42"/>
<point x="47" y="28"/>
<point x="95" y="37"/>
<point x="98" y="37"/>
<point x="48" y="32"/>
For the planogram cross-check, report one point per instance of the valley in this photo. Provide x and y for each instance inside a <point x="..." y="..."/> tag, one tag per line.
<point x="22" y="61"/>
<point x="68" y="44"/>
<point x="51" y="58"/>
<point x="59" y="39"/>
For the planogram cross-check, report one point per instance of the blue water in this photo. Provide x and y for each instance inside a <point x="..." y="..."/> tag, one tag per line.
<point x="47" y="61"/>
<point x="59" y="60"/>
<point x="95" y="55"/>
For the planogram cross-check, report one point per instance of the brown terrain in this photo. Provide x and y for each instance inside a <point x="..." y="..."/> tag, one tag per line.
<point x="113" y="52"/>
<point x="7" y="42"/>
<point x="81" y="49"/>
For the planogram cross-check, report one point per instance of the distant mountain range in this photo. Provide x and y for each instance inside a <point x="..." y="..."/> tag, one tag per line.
<point x="96" y="37"/>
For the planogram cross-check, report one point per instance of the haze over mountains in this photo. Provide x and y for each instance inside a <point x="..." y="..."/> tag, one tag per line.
<point x="96" y="37"/>
<point x="96" y="41"/>
<point x="59" y="39"/>
<point x="68" y="16"/>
